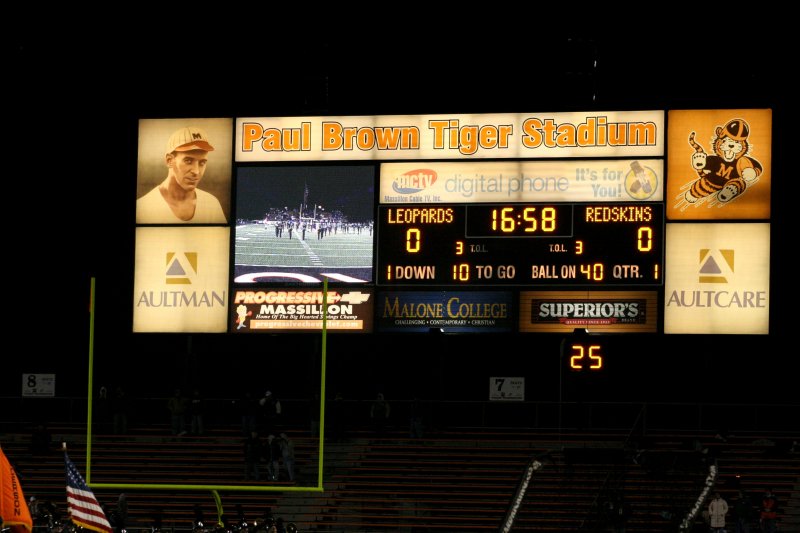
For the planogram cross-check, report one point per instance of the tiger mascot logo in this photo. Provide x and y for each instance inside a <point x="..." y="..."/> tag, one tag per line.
<point x="725" y="174"/>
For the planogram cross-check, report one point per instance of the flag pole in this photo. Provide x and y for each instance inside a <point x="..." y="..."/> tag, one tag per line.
<point x="90" y="384"/>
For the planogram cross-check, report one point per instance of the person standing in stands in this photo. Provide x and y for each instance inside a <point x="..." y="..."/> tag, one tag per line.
<point x="287" y="453"/>
<point x="103" y="410"/>
<point x="717" y="510"/>
<point x="618" y="512"/>
<point x="270" y="412"/>
<point x="274" y="457"/>
<point x="743" y="512"/>
<point x="416" y="419"/>
<point x="120" y="409"/>
<point x="253" y="452"/>
<point x="338" y="418"/>
<point x="379" y="413"/>
<point x="41" y="440"/>
<point x="197" y="409"/>
<point x="178" y="407"/>
<point x="769" y="513"/>
<point x="247" y="407"/>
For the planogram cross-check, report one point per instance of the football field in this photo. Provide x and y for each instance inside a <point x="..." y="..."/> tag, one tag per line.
<point x="261" y="256"/>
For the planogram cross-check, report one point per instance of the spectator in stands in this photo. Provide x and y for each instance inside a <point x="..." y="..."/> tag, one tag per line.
<point x="120" y="410"/>
<point x="247" y="408"/>
<point x="253" y="453"/>
<point x="178" y="407"/>
<point x="271" y="411"/>
<point x="121" y="513"/>
<point x="102" y="410"/>
<point x="287" y="454"/>
<point x="274" y="457"/>
<point x="314" y="415"/>
<point x="379" y="412"/>
<point x="768" y="518"/>
<point x="41" y="440"/>
<point x="338" y="418"/>
<point x="266" y="521"/>
<point x="717" y="510"/>
<point x="416" y="419"/>
<point x="743" y="512"/>
<point x="618" y="512"/>
<point x="197" y="410"/>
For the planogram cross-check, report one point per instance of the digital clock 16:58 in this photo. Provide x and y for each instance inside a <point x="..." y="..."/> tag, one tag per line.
<point x="521" y="244"/>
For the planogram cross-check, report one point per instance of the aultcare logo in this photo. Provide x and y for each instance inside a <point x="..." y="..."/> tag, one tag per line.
<point x="711" y="263"/>
<point x="180" y="267"/>
<point x="414" y="181"/>
<point x="716" y="266"/>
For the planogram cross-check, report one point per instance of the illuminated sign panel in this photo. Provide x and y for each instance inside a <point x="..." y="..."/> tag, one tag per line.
<point x="343" y="309"/>
<point x="160" y="170"/>
<point x="521" y="244"/>
<point x="493" y="136"/>
<point x="597" y="311"/>
<point x="720" y="164"/>
<point x="625" y="180"/>
<point x="451" y="311"/>
<point x="717" y="278"/>
<point x="181" y="279"/>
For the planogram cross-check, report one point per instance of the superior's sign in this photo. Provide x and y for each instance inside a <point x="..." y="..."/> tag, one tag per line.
<point x="496" y="136"/>
<point x="598" y="311"/>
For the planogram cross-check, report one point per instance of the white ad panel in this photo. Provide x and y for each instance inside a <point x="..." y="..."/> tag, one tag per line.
<point x="181" y="279"/>
<point x="625" y="180"/>
<point x="717" y="278"/>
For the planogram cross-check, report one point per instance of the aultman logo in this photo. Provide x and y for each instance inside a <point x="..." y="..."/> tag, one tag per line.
<point x="711" y="263"/>
<point x="414" y="181"/>
<point x="181" y="269"/>
<point x="179" y="266"/>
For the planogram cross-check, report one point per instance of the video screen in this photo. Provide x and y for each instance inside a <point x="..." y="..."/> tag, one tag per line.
<point x="304" y="224"/>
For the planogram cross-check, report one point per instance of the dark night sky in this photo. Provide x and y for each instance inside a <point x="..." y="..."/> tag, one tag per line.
<point x="75" y="103"/>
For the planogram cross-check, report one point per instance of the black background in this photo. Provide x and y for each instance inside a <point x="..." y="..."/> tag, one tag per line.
<point x="77" y="93"/>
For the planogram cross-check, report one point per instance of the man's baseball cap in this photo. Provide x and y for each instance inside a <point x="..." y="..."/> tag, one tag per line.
<point x="188" y="138"/>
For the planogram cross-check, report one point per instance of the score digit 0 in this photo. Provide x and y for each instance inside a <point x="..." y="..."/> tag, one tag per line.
<point x="579" y="354"/>
<point x="413" y="240"/>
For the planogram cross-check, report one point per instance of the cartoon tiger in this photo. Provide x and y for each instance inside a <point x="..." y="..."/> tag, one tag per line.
<point x="726" y="173"/>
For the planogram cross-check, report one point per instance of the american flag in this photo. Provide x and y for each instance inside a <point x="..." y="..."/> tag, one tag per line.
<point x="84" y="509"/>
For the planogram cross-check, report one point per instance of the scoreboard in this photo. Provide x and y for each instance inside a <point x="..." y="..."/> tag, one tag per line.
<point x="615" y="221"/>
<point x="521" y="244"/>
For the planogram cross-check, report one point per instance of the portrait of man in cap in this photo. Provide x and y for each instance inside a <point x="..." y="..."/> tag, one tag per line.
<point x="187" y="154"/>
